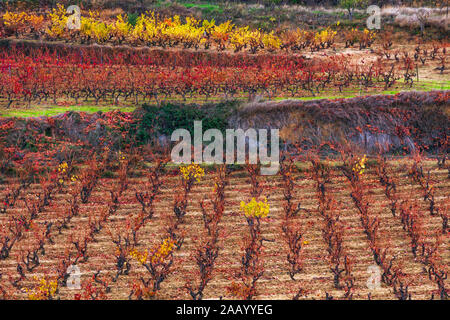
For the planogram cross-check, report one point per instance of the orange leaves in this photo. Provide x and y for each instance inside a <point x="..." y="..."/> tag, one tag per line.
<point x="152" y="29"/>
<point x="22" y="22"/>
<point x="45" y="290"/>
<point x="141" y="291"/>
<point x="240" y="291"/>
<point x="365" y="38"/>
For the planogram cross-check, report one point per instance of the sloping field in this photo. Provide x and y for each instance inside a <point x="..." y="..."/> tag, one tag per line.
<point x="315" y="278"/>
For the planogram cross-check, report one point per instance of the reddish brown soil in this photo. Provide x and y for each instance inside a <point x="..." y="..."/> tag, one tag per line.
<point x="316" y="278"/>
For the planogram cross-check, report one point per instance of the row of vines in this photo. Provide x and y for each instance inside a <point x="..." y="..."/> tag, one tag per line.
<point x="28" y="235"/>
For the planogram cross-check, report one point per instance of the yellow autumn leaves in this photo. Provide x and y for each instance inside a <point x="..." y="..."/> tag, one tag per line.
<point x="325" y="38"/>
<point x="44" y="291"/>
<point x="23" y="20"/>
<point x="139" y="256"/>
<point x="151" y="29"/>
<point x="63" y="170"/>
<point x="364" y="37"/>
<point x="157" y="255"/>
<point x="360" y="165"/>
<point x="255" y="209"/>
<point x="242" y="37"/>
<point x="192" y="172"/>
<point x="91" y="26"/>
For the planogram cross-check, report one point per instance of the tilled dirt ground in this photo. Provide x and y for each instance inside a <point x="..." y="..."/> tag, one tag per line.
<point x="315" y="279"/>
